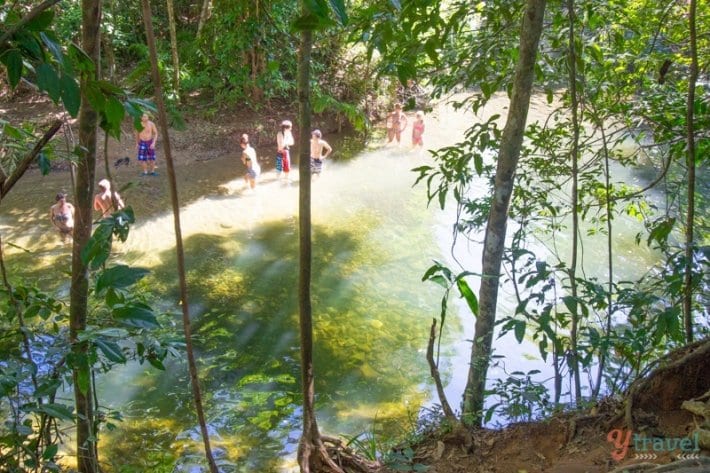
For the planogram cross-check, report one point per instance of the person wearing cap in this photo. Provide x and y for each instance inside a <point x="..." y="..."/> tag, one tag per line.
<point x="250" y="161"/>
<point x="320" y="149"/>
<point x="103" y="200"/>
<point x="284" y="140"/>
<point x="61" y="214"/>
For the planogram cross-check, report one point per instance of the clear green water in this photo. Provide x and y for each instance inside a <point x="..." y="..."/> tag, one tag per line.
<point x="373" y="239"/>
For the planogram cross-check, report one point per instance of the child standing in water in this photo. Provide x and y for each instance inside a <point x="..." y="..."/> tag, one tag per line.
<point x="250" y="161"/>
<point x="396" y="123"/>
<point x="418" y="130"/>
<point x="320" y="149"/>
<point x="284" y="140"/>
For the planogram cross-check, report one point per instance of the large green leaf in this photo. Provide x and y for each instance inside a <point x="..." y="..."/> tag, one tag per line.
<point x="136" y="316"/>
<point x="468" y="294"/>
<point x="339" y="8"/>
<point x="71" y="95"/>
<point x="13" y="62"/>
<point x="120" y="276"/>
<point x="114" y="112"/>
<point x="110" y="349"/>
<point x="48" y="80"/>
<point x="58" y="411"/>
<point x="41" y="21"/>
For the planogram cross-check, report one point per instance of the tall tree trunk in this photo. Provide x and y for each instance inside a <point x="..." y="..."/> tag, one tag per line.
<point x="312" y="455"/>
<point x="690" y="161"/>
<point x="204" y="13"/>
<point x="87" y="461"/>
<point x="494" y="241"/>
<point x="180" y="252"/>
<point x="604" y="350"/>
<point x="174" y="48"/>
<point x="574" y="155"/>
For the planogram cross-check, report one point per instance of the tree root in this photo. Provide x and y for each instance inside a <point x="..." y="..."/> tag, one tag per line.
<point x="699" y="349"/>
<point x="346" y="458"/>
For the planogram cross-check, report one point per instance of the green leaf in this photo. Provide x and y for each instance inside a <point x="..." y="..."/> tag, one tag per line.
<point x="98" y="248"/>
<point x="312" y="22"/>
<point x="48" y="80"/>
<point x="119" y="277"/>
<point x="41" y="21"/>
<point x="53" y="47"/>
<point x="71" y="95"/>
<point x="519" y="330"/>
<point x="468" y="294"/>
<point x="43" y="162"/>
<point x="58" y="411"/>
<point x="83" y="380"/>
<point x="114" y="113"/>
<point x="440" y="280"/>
<point x="50" y="452"/>
<point x="339" y="8"/>
<point x="110" y="349"/>
<point x="156" y="363"/>
<point x="136" y="316"/>
<point x="47" y="389"/>
<point x="13" y="63"/>
<point x="571" y="304"/>
<point x="95" y="96"/>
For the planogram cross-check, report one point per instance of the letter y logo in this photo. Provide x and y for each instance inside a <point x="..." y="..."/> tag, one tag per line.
<point x="621" y="443"/>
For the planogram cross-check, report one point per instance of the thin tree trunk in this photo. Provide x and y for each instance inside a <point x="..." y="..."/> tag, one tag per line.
<point x="87" y="461"/>
<point x="180" y="253"/>
<point x="610" y="266"/>
<point x="204" y="13"/>
<point x="494" y="241"/>
<point x="574" y="330"/>
<point x="690" y="161"/>
<point x="174" y="48"/>
<point x="312" y="454"/>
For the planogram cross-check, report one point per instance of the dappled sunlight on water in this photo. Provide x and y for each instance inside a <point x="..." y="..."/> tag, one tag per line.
<point x="373" y="239"/>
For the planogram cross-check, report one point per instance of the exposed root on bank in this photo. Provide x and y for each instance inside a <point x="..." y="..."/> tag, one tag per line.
<point x="346" y="458"/>
<point x="681" y="375"/>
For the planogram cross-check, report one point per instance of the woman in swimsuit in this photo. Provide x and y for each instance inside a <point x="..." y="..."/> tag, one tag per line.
<point x="61" y="215"/>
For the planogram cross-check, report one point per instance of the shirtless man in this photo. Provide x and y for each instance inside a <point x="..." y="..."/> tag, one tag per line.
<point x="61" y="215"/>
<point x="145" y="145"/>
<point x="103" y="201"/>
<point x="396" y="123"/>
<point x="320" y="149"/>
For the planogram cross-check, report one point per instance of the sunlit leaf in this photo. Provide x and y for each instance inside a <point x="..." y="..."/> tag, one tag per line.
<point x="468" y="295"/>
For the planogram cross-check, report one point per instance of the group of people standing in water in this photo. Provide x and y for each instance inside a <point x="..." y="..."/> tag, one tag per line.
<point x="61" y="214"/>
<point x="319" y="151"/>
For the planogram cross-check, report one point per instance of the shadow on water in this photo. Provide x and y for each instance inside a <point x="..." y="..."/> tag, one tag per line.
<point x="244" y="303"/>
